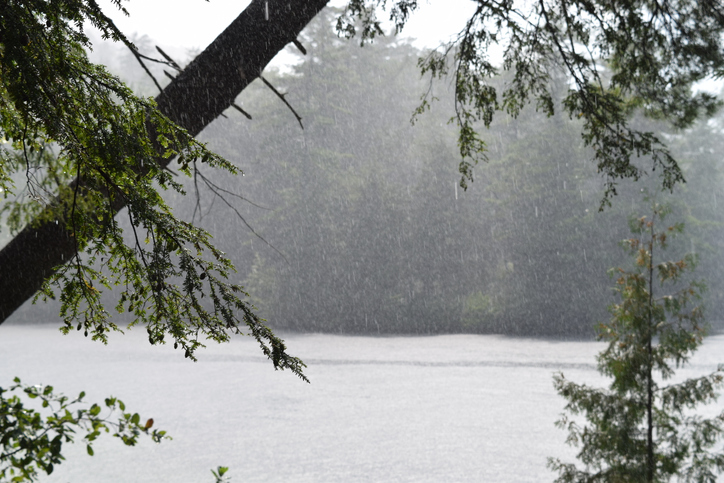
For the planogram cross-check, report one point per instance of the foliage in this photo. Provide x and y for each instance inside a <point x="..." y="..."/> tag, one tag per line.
<point x="374" y="234"/>
<point x="31" y="439"/>
<point x="620" y="58"/>
<point x="88" y="146"/>
<point x="219" y="474"/>
<point x="643" y="428"/>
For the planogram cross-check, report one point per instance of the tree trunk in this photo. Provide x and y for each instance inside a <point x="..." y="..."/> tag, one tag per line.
<point x="196" y="97"/>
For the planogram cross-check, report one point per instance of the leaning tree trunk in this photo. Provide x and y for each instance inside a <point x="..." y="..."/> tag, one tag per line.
<point x="200" y="93"/>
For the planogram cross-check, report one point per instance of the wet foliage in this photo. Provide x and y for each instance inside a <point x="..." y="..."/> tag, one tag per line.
<point x="644" y="427"/>
<point x="32" y="436"/>
<point x="89" y="146"/>
<point x="619" y="58"/>
<point x="363" y="230"/>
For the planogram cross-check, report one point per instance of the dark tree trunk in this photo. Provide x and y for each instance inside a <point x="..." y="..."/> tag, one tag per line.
<point x="196" y="97"/>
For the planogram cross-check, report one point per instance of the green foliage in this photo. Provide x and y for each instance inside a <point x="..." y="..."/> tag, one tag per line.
<point x="32" y="438"/>
<point x="620" y="58"/>
<point x="88" y="146"/>
<point x="644" y="428"/>
<point x="219" y="474"/>
<point x="478" y="312"/>
<point x="373" y="233"/>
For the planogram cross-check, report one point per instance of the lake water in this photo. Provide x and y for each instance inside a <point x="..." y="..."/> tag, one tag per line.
<point x="378" y="409"/>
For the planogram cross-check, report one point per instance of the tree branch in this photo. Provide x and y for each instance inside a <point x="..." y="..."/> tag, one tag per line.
<point x="284" y="100"/>
<point x="198" y="95"/>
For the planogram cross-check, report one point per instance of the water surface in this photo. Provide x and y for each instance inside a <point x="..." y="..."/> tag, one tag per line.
<point x="390" y="409"/>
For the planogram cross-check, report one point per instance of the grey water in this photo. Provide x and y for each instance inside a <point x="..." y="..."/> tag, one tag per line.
<point x="378" y="409"/>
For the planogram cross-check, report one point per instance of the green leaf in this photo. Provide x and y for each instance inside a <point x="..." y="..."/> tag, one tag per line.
<point x="94" y="410"/>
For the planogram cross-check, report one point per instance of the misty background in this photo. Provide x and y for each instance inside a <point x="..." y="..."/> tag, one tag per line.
<point x="357" y="223"/>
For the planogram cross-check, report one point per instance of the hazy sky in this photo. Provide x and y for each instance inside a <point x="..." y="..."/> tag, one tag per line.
<point x="189" y="24"/>
<point x="183" y="25"/>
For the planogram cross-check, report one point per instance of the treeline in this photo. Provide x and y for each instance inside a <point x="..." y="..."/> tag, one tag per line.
<point x="359" y="225"/>
<point x="366" y="230"/>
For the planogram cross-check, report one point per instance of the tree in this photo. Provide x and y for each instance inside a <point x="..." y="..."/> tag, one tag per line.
<point x="116" y="147"/>
<point x="364" y="208"/>
<point x="89" y="147"/>
<point x="620" y="58"/>
<point x="641" y="429"/>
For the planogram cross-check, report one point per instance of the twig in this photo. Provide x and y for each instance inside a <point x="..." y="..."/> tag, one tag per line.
<point x="215" y="189"/>
<point x="139" y="57"/>
<point x="281" y="96"/>
<point x="171" y="62"/>
<point x="236" y="195"/>
<point x="299" y="45"/>
<point x="248" y="116"/>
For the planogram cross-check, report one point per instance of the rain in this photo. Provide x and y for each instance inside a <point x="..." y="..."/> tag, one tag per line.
<point x="431" y="317"/>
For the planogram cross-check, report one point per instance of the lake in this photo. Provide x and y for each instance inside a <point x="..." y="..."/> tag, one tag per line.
<point x="378" y="409"/>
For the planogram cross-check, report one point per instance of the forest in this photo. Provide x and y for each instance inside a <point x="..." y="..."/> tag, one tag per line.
<point x="356" y="223"/>
<point x="364" y="228"/>
<point x="364" y="189"/>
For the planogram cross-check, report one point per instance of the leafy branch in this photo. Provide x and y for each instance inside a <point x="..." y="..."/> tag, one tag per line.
<point x="620" y="58"/>
<point x="31" y="439"/>
<point x="112" y="149"/>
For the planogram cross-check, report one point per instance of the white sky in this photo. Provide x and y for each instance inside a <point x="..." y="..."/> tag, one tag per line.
<point x="189" y="24"/>
<point x="183" y="25"/>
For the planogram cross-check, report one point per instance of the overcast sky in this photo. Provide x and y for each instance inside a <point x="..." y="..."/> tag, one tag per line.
<point x="193" y="24"/>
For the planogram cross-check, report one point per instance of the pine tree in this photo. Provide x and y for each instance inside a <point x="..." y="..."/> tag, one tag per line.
<point x="643" y="428"/>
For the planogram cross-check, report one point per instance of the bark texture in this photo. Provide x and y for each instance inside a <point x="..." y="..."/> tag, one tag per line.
<point x="199" y="94"/>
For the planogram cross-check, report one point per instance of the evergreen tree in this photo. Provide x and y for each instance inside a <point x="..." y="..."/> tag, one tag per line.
<point x="641" y="428"/>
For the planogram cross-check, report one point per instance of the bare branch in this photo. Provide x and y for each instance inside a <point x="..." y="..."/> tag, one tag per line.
<point x="216" y="189"/>
<point x="248" y="116"/>
<point x="299" y="45"/>
<point x="171" y="62"/>
<point x="139" y="57"/>
<point x="281" y="96"/>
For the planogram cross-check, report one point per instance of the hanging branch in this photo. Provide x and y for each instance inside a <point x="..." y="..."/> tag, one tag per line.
<point x="219" y="192"/>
